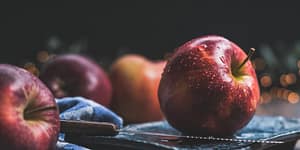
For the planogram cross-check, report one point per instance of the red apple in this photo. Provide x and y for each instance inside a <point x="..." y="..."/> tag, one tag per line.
<point x="209" y="87"/>
<point x="77" y="75"/>
<point x="28" y="112"/>
<point x="135" y="83"/>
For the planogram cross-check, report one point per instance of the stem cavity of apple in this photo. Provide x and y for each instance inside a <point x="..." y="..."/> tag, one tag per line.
<point x="250" y="53"/>
<point x="29" y="114"/>
<point x="236" y="72"/>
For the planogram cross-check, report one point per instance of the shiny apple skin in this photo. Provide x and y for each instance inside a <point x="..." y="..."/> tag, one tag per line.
<point x="28" y="111"/>
<point x="198" y="92"/>
<point x="77" y="75"/>
<point x="135" y="82"/>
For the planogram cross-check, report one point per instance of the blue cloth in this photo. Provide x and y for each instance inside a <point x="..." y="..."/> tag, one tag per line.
<point x="79" y="108"/>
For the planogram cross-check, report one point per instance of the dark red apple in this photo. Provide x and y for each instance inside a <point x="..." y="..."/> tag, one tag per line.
<point x="28" y="111"/>
<point x="135" y="81"/>
<point x="77" y="75"/>
<point x="209" y="87"/>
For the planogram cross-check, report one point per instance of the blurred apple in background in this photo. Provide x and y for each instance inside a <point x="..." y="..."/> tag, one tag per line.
<point x="135" y="83"/>
<point x="28" y="112"/>
<point x="77" y="75"/>
<point x="209" y="87"/>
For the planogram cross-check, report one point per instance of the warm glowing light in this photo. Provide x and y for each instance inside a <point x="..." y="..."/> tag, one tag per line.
<point x="293" y="97"/>
<point x="265" y="98"/>
<point x="273" y="91"/>
<point x="42" y="56"/>
<point x="266" y="81"/>
<point x="283" y="81"/>
<point x="31" y="68"/>
<point x="285" y="94"/>
<point x="290" y="78"/>
<point x="280" y="92"/>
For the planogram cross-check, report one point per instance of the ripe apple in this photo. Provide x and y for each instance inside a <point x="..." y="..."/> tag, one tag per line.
<point x="209" y="87"/>
<point x="28" y="111"/>
<point x="76" y="75"/>
<point x="135" y="81"/>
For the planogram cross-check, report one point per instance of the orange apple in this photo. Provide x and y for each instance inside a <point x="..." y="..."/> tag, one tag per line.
<point x="135" y="82"/>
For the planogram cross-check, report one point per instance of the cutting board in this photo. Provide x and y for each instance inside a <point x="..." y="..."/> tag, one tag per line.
<point x="259" y="128"/>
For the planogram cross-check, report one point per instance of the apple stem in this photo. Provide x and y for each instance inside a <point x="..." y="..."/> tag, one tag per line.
<point x="250" y="53"/>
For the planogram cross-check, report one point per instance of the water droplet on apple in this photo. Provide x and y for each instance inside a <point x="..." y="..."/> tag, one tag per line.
<point x="192" y="53"/>
<point x="209" y="87"/>
<point x="222" y="59"/>
<point x="168" y="69"/>
<point x="206" y="73"/>
<point x="222" y="87"/>
<point x="202" y="47"/>
<point x="213" y="76"/>
<point x="240" y="96"/>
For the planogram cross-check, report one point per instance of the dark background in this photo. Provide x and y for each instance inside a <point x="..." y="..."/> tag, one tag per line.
<point x="145" y="27"/>
<point x="153" y="28"/>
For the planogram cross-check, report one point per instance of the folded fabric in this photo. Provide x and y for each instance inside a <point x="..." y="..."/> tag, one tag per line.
<point x="79" y="108"/>
<point x="67" y="146"/>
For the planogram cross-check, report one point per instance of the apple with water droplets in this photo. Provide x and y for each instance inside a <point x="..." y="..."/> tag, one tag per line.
<point x="209" y="87"/>
<point x="28" y="112"/>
